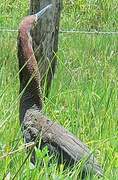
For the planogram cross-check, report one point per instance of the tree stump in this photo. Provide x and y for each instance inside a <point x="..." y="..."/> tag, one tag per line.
<point x="45" y="40"/>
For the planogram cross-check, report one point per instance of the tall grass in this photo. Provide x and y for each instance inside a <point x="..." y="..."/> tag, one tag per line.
<point x="84" y="94"/>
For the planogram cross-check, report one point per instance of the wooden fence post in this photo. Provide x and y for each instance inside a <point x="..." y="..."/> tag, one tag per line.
<point x="45" y="40"/>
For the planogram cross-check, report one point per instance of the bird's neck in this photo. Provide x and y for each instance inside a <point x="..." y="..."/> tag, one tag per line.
<point x="29" y="73"/>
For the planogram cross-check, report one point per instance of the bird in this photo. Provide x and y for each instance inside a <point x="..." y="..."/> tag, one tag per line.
<point x="34" y="124"/>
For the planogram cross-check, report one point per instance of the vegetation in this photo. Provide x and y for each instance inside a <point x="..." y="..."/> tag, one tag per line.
<point x="84" y="94"/>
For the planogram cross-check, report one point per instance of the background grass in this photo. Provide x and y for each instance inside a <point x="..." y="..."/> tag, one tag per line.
<point x="84" y="94"/>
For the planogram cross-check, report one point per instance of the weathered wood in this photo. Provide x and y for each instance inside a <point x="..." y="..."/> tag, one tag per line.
<point x="59" y="140"/>
<point x="45" y="40"/>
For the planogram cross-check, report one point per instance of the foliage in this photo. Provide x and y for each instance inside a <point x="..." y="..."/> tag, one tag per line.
<point x="92" y="14"/>
<point x="84" y="95"/>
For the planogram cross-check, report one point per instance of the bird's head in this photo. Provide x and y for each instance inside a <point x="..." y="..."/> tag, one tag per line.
<point x="30" y="21"/>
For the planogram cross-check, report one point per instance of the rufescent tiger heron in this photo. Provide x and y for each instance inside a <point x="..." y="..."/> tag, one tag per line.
<point x="34" y="124"/>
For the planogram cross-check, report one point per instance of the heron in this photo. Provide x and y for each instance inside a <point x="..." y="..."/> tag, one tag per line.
<point x="34" y="123"/>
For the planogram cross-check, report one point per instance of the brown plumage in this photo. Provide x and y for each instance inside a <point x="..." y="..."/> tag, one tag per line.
<point x="52" y="135"/>
<point x="29" y="75"/>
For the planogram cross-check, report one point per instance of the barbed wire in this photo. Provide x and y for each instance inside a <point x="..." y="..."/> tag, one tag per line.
<point x="8" y="30"/>
<point x="89" y="32"/>
<point x="70" y="31"/>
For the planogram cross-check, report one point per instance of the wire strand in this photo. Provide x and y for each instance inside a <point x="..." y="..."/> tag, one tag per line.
<point x="70" y="31"/>
<point x="89" y="32"/>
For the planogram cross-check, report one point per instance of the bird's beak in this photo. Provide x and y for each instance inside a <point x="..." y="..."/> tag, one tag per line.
<point x="43" y="11"/>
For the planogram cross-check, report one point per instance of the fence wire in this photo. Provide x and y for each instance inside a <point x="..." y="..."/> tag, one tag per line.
<point x="70" y="31"/>
<point x="89" y="32"/>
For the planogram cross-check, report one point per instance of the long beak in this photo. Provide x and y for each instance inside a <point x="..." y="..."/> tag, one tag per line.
<point x="40" y="13"/>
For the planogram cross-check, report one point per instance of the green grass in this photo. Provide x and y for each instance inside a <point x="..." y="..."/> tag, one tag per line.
<point x="84" y="94"/>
